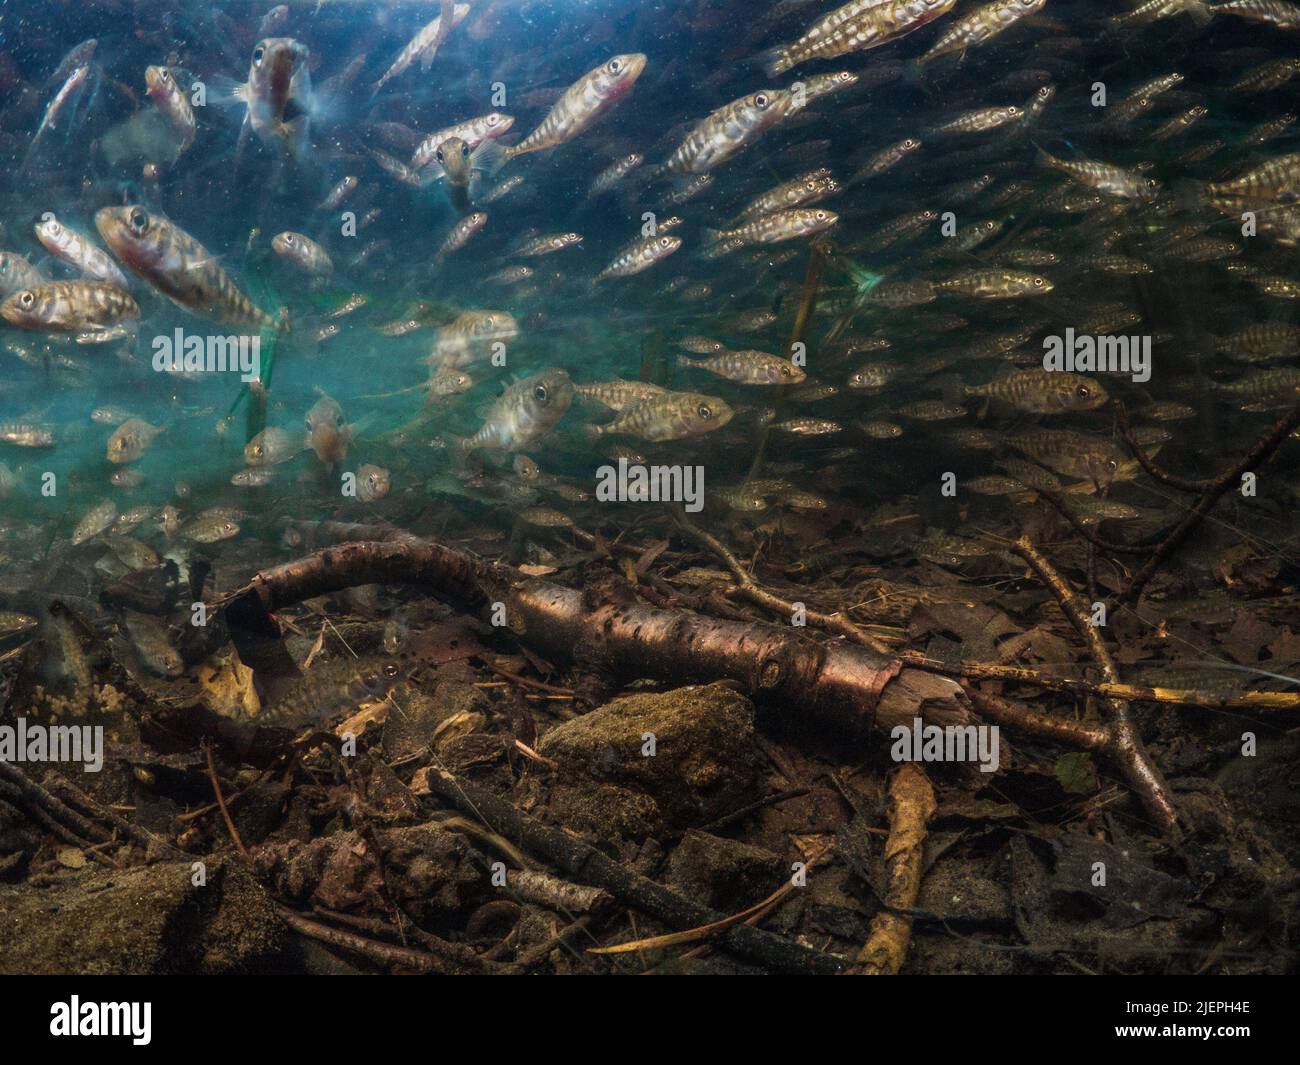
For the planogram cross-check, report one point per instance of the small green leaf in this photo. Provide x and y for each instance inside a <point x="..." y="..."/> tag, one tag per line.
<point x="1076" y="773"/>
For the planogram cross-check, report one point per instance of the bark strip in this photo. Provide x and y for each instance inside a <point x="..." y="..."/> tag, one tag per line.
<point x="911" y="805"/>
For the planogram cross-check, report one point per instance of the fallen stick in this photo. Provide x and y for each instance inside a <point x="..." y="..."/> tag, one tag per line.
<point x="911" y="805"/>
<point x="384" y="954"/>
<point x="760" y="596"/>
<point x="1214" y="491"/>
<point x="1206" y="700"/>
<point x="836" y="684"/>
<point x="1124" y="745"/>
<point x="585" y="863"/>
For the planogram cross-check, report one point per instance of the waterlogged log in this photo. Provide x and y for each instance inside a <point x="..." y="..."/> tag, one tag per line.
<point x="837" y="684"/>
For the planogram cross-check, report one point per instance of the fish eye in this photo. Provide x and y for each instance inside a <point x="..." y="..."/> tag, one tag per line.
<point x="665" y="241"/>
<point x="909" y="143"/>
<point x="464" y="151"/>
<point x="1013" y="110"/>
<point x="704" y="411"/>
<point x="1038" y="282"/>
<point x="258" y="53"/>
<point x="493" y="120"/>
<point x="288" y="238"/>
<point x="439" y="155"/>
<point x="138" y="219"/>
<point x="615" y="66"/>
<point x="785" y="371"/>
<point x="27" y="298"/>
<point x="760" y="101"/>
<point x="1083" y="391"/>
<point x="540" y="394"/>
<point x="390" y="670"/>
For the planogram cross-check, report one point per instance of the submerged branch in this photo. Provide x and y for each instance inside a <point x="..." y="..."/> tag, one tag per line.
<point x="838" y="685"/>
<point x="1123" y="744"/>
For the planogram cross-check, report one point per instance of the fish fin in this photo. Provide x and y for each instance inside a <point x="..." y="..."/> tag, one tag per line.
<point x="1202" y="14"/>
<point x="713" y="236"/>
<point x="489" y="157"/>
<point x="227" y="92"/>
<point x="1045" y="158"/>
<point x="361" y="425"/>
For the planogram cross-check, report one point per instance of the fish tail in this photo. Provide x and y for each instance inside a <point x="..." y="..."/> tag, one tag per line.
<point x="776" y="60"/>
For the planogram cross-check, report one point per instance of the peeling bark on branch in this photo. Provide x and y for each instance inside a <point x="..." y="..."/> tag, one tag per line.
<point x="839" y="685"/>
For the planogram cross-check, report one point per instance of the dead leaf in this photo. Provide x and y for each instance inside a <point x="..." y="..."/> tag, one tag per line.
<point x="315" y="649"/>
<point x="71" y="858"/>
<point x="529" y="570"/>
<point x="228" y="686"/>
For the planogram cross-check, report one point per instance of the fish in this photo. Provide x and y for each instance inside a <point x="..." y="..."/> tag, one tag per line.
<point x="583" y="104"/>
<point x="303" y="252"/>
<point x="724" y="132"/>
<point x="472" y="134"/>
<point x="274" y="445"/>
<point x="277" y="96"/>
<point x="16" y="274"/>
<point x="70" y="307"/>
<point x="178" y="266"/>
<point x="472" y="337"/>
<point x="130" y="440"/>
<point x="523" y="414"/>
<point x="1044" y="391"/>
<point x="425" y="44"/>
<point x="641" y="255"/>
<point x="461" y="234"/>
<point x="980" y="26"/>
<point x="172" y="104"/>
<point x="748" y="368"/>
<point x="669" y="416"/>
<point x="856" y="26"/>
<point x="76" y="250"/>
<point x="614" y="174"/>
<point x="772" y="228"/>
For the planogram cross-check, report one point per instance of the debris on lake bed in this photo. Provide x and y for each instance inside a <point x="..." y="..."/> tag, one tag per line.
<point x="796" y="490"/>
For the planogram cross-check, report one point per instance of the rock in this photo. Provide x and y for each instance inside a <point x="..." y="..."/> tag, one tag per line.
<point x="704" y="762"/>
<point x="722" y="873"/>
<point x="150" y="920"/>
<point x="412" y="731"/>
<point x="428" y="871"/>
